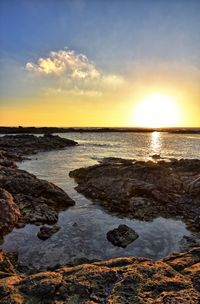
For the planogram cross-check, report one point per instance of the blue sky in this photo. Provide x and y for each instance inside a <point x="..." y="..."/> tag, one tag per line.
<point x="106" y="31"/>
<point x="120" y="37"/>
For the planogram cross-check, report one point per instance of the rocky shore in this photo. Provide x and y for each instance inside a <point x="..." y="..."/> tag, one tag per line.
<point x="145" y="190"/>
<point x="24" y="198"/>
<point x="175" y="279"/>
<point x="134" y="189"/>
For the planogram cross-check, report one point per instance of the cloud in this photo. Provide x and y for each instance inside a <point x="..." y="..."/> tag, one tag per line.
<point x="66" y="72"/>
<point x="65" y="62"/>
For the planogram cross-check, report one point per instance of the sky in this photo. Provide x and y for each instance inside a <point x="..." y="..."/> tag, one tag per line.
<point x="100" y="63"/>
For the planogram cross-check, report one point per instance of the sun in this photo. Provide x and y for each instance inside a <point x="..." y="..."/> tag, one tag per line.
<point x="156" y="111"/>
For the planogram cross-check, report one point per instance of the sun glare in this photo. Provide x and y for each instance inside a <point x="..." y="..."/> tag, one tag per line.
<point x="156" y="111"/>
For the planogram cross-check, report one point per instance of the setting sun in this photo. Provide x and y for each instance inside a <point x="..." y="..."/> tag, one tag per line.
<point x="157" y="111"/>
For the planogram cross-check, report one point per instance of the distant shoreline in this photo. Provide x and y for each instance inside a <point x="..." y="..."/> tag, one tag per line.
<point x="47" y="130"/>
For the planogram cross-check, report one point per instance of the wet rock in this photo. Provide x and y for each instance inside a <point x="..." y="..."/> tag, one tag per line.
<point x="174" y="279"/>
<point x="46" y="232"/>
<point x="145" y="190"/>
<point x="188" y="242"/>
<point x="9" y="212"/>
<point x="122" y="236"/>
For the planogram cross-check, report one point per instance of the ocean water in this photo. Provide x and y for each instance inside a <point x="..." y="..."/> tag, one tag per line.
<point x="87" y="239"/>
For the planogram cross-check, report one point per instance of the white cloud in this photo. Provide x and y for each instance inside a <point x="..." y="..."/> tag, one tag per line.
<point x="66" y="72"/>
<point x="75" y="66"/>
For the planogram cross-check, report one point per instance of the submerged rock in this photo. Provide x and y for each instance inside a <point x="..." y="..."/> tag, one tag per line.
<point x="46" y="232"/>
<point x="174" y="279"/>
<point x="9" y="212"/>
<point x="122" y="236"/>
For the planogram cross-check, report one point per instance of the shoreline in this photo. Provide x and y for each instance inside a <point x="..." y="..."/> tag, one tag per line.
<point x="50" y="130"/>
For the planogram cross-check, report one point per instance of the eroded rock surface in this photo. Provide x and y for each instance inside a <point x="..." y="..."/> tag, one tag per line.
<point x="122" y="236"/>
<point x="9" y="212"/>
<point x="174" y="279"/>
<point x="38" y="200"/>
<point x="145" y="190"/>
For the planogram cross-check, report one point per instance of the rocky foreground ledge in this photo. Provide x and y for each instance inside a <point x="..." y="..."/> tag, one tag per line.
<point x="145" y="190"/>
<point x="175" y="279"/>
<point x="24" y="198"/>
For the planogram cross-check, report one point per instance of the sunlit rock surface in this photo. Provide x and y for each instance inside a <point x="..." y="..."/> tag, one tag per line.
<point x="175" y="279"/>
<point x="145" y="190"/>
<point x="9" y="212"/>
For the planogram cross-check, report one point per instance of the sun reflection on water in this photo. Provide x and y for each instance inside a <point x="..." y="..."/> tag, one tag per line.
<point x="155" y="142"/>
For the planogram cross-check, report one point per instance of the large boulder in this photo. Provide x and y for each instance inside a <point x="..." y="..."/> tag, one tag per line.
<point x="9" y="212"/>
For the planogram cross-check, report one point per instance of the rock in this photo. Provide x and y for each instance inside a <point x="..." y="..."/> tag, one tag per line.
<point x="156" y="156"/>
<point x="6" y="266"/>
<point x="38" y="200"/>
<point x="145" y="190"/>
<point x="14" y="147"/>
<point x="9" y="212"/>
<point x="174" y="279"/>
<point x="46" y="232"/>
<point x="122" y="236"/>
<point x="188" y="242"/>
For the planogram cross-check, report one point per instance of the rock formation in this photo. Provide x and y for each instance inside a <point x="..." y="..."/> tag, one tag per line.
<point x="145" y="190"/>
<point x="14" y="147"/>
<point x="175" y="279"/>
<point x="24" y="198"/>
<point x="9" y="212"/>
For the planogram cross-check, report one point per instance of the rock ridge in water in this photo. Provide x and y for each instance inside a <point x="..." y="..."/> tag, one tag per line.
<point x="174" y="279"/>
<point x="145" y="190"/>
<point x="14" y="147"/>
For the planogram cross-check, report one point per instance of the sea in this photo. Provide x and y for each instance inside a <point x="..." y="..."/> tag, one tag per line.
<point x="85" y="225"/>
